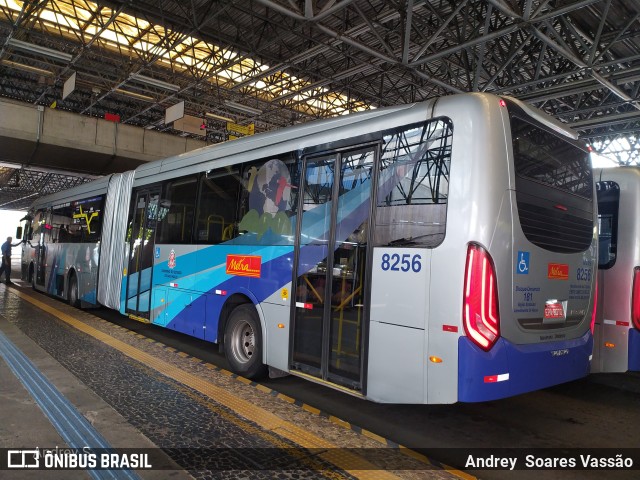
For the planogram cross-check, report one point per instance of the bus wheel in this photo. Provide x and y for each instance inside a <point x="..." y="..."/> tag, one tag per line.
<point x="243" y="342"/>
<point x="73" y="292"/>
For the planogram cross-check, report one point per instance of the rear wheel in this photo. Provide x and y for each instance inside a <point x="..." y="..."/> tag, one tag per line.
<point x="73" y="292"/>
<point x="243" y="342"/>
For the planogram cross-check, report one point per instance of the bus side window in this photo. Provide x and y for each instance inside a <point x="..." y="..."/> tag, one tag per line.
<point x="63" y="226"/>
<point x="414" y="185"/>
<point x="608" y="205"/>
<point x="180" y="200"/>
<point x="217" y="207"/>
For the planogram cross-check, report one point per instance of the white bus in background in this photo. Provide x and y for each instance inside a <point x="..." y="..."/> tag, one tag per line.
<point x="435" y="252"/>
<point x="617" y="326"/>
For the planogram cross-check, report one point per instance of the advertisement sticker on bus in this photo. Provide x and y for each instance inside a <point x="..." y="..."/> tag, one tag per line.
<point x="558" y="271"/>
<point x="244" y="265"/>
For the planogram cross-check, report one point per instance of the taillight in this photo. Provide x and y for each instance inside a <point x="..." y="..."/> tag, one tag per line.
<point x="635" y="298"/>
<point x="480" y="309"/>
<point x="595" y="306"/>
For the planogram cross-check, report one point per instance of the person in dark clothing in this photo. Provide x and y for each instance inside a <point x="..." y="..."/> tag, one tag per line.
<point x="6" y="259"/>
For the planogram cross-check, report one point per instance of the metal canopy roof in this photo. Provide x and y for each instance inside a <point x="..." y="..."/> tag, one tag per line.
<point x="279" y="62"/>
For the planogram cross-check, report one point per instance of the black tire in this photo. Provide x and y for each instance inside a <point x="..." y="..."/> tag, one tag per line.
<point x="243" y="342"/>
<point x="74" y="301"/>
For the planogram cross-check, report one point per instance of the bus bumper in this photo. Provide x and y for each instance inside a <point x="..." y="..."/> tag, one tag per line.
<point x="509" y="369"/>
<point x="634" y="350"/>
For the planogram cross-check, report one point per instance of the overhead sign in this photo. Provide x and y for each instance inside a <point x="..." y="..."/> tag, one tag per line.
<point x="112" y="117"/>
<point x="173" y="113"/>
<point x="189" y="124"/>
<point x="241" y="129"/>
<point x="69" y="86"/>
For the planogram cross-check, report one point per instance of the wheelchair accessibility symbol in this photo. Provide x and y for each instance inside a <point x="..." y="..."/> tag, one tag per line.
<point x="522" y="267"/>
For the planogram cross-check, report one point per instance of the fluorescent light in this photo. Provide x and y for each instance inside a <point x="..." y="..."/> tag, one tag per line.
<point x="27" y="68"/>
<point x="219" y="117"/>
<point x="242" y="108"/>
<point x="47" y="52"/>
<point x="153" y="82"/>
<point x="139" y="96"/>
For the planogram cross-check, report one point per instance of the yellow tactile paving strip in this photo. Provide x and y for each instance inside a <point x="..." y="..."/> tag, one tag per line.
<point x="341" y="458"/>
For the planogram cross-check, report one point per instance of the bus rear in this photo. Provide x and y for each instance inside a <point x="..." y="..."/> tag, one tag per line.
<point x="508" y="280"/>
<point x="617" y="325"/>
<point x="527" y="307"/>
<point x="542" y="336"/>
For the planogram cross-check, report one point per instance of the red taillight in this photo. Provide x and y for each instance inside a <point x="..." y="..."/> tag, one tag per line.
<point x="595" y="306"/>
<point x="480" y="309"/>
<point x="635" y="298"/>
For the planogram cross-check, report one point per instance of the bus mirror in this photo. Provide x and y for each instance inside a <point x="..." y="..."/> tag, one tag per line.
<point x="19" y="232"/>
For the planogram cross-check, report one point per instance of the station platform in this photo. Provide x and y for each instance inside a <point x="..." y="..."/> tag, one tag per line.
<point x="70" y="380"/>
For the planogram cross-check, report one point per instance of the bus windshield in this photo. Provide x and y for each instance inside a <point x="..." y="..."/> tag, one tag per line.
<point x="550" y="160"/>
<point x="554" y="188"/>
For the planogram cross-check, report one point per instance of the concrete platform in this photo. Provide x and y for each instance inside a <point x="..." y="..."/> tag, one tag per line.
<point x="192" y="418"/>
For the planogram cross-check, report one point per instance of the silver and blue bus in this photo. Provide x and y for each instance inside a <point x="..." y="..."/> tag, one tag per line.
<point x="617" y="325"/>
<point x="435" y="252"/>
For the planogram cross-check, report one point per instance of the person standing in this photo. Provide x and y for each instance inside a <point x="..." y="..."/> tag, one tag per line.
<point x="6" y="259"/>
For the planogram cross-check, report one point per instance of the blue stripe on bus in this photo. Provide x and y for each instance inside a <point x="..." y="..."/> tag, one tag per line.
<point x="74" y="429"/>
<point x="207" y="266"/>
<point x="634" y="350"/>
<point x="530" y="367"/>
<point x="275" y="274"/>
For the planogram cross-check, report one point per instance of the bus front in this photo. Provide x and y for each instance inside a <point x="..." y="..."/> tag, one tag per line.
<point x="528" y="314"/>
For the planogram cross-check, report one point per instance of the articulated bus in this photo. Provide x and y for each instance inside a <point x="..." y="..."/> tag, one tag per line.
<point x="617" y="326"/>
<point x="435" y="252"/>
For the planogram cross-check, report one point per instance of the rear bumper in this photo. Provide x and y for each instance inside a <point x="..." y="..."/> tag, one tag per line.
<point x="634" y="350"/>
<point x="509" y="369"/>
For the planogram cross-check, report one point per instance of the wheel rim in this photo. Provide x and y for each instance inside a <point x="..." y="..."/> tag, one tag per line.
<point x="243" y="341"/>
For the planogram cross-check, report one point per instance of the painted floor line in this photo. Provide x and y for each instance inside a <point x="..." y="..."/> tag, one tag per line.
<point x="72" y="426"/>
<point x="344" y="460"/>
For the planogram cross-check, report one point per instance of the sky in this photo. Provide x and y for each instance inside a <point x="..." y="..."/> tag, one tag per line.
<point x="9" y="221"/>
<point x="599" y="161"/>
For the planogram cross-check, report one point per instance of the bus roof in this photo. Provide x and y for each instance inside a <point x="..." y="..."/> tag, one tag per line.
<point x="95" y="187"/>
<point x="288" y="138"/>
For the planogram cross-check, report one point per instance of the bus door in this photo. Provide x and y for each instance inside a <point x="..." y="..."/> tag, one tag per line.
<point x="41" y="248"/>
<point x="142" y="226"/>
<point x="331" y="306"/>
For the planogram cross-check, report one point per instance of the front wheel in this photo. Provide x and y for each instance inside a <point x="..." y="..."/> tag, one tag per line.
<point x="243" y="342"/>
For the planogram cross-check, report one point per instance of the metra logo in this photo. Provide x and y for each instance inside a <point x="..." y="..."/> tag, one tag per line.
<point x="558" y="271"/>
<point x="244" y="265"/>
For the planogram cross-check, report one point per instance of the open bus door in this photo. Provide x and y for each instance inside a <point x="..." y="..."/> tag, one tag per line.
<point x="331" y="311"/>
<point x="40" y="249"/>
<point x="141" y="239"/>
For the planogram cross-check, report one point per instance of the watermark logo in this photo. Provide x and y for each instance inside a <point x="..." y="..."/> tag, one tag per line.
<point x="23" y="458"/>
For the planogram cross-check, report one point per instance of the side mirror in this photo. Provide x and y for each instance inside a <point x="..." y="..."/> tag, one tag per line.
<point x="19" y="233"/>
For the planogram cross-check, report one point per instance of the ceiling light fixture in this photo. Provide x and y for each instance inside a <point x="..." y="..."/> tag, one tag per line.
<point x="242" y="108"/>
<point x="47" y="52"/>
<point x="218" y="117"/>
<point x="153" y="82"/>
<point x="139" y="96"/>
<point x="27" y="68"/>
